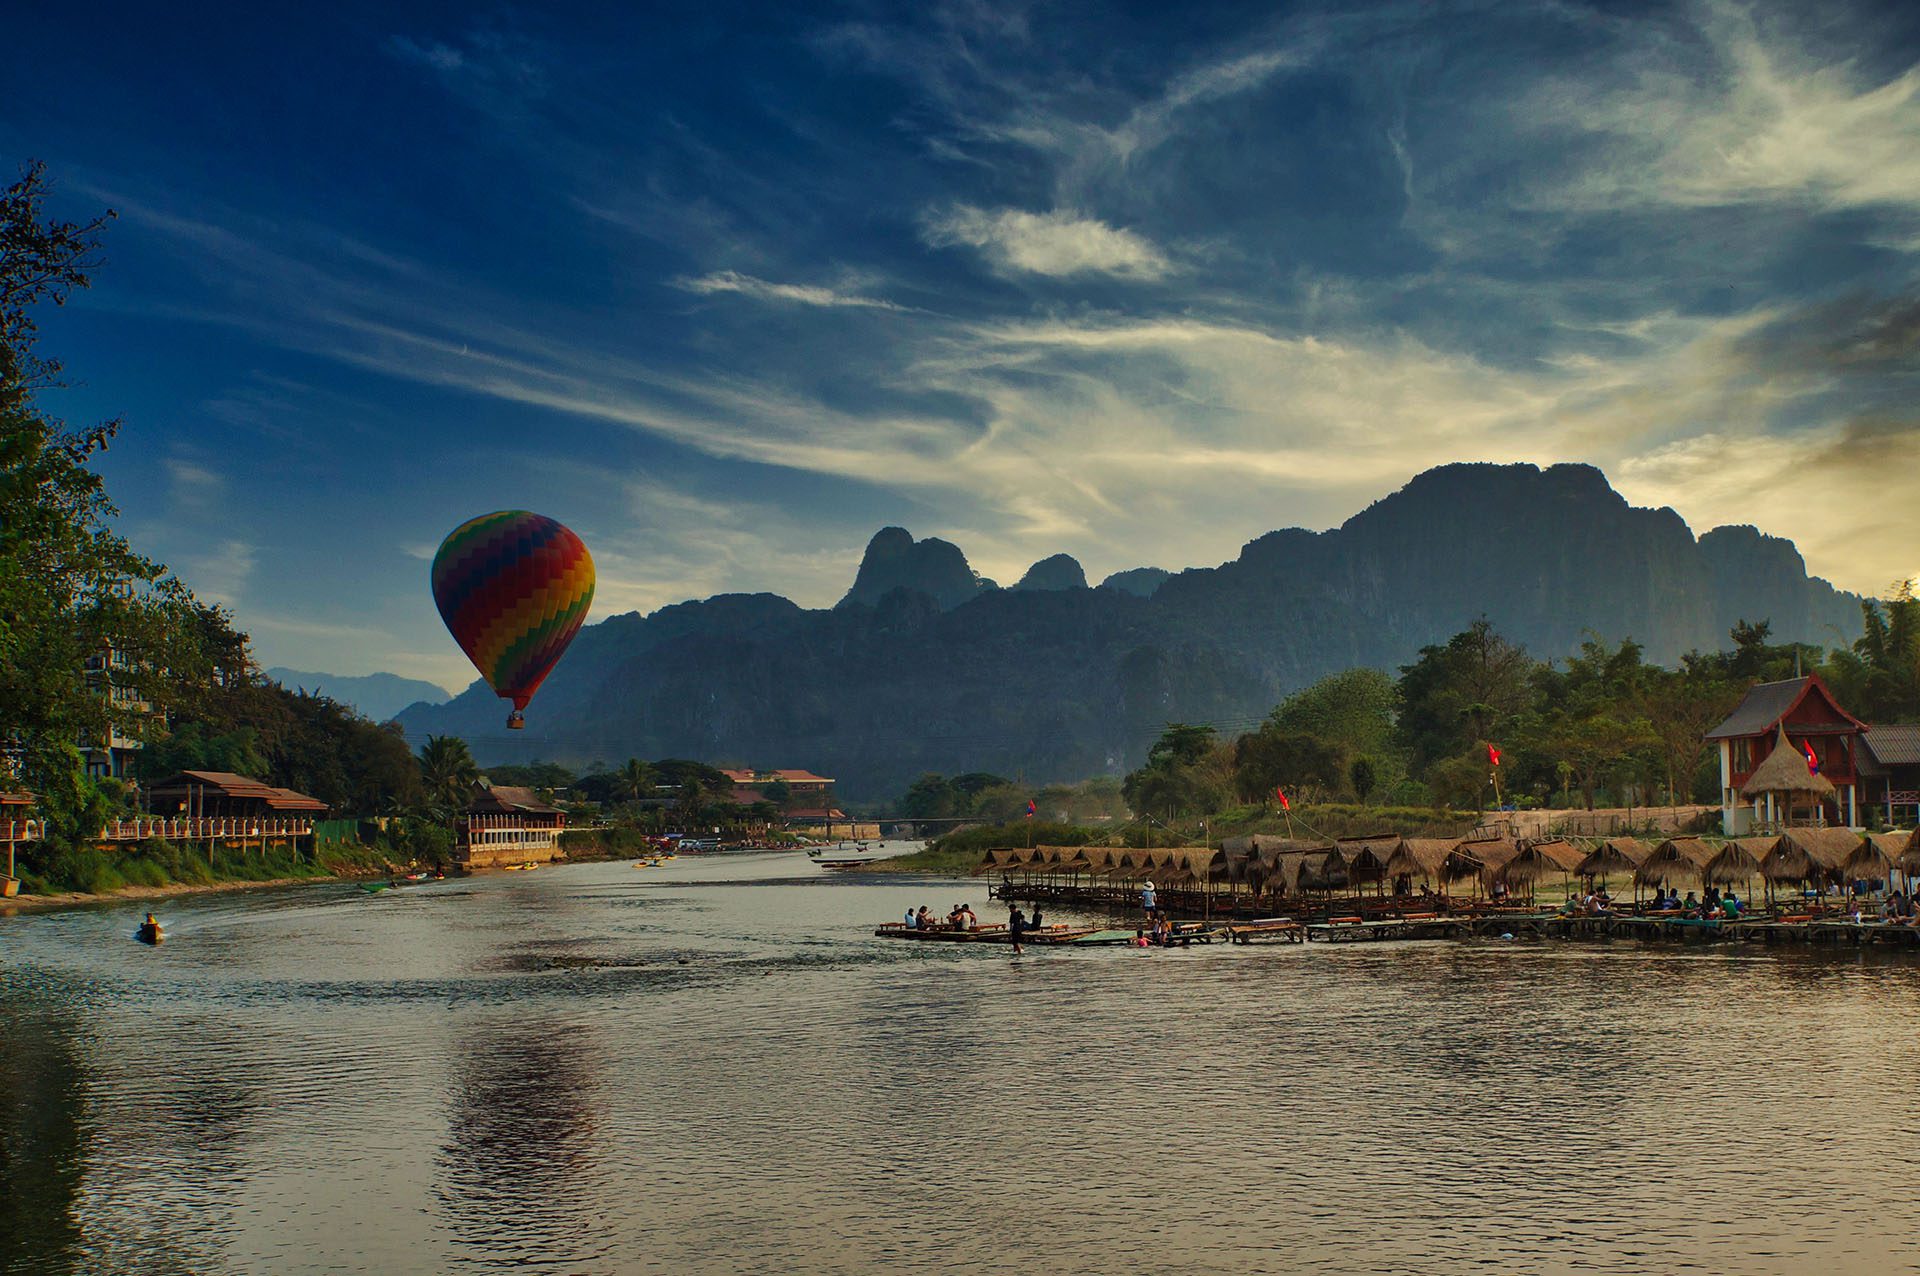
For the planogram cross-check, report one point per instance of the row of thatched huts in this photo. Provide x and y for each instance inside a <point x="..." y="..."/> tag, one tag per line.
<point x="1274" y="866"/>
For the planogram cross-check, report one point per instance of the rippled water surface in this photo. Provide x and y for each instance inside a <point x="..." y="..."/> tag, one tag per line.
<point x="713" y="1067"/>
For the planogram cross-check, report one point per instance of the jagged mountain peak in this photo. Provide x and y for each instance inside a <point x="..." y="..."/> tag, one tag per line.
<point x="895" y="560"/>
<point x="1059" y="571"/>
<point x="1069" y="682"/>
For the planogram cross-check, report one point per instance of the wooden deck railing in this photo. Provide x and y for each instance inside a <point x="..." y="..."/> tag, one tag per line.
<point x="175" y="829"/>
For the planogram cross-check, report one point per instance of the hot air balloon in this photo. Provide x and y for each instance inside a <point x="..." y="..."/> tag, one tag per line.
<point x="513" y="588"/>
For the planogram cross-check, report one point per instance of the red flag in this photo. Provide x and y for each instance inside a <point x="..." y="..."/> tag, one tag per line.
<point x="1029" y="808"/>
<point x="1282" y="795"/>
<point x="1813" y="762"/>
<point x="1493" y="756"/>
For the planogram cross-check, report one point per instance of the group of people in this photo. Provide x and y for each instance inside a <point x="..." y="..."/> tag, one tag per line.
<point x="1713" y="906"/>
<point x="1157" y="933"/>
<point x="960" y="918"/>
<point x="1896" y="910"/>
<point x="1595" y="903"/>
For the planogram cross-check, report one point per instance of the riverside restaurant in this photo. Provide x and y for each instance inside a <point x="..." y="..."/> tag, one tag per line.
<point x="1817" y="884"/>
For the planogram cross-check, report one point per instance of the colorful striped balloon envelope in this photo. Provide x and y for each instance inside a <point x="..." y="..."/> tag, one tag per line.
<point x="514" y="588"/>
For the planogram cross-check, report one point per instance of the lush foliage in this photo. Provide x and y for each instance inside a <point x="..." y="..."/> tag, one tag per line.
<point x="71" y="589"/>
<point x="1604" y="726"/>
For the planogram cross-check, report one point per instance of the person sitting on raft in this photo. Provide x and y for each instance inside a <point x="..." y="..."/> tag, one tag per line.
<point x="913" y="919"/>
<point x="923" y="920"/>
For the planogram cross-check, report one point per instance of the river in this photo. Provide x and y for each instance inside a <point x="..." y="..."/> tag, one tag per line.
<point x="713" y="1066"/>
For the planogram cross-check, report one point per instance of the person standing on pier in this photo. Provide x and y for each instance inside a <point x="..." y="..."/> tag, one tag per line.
<point x="1147" y="900"/>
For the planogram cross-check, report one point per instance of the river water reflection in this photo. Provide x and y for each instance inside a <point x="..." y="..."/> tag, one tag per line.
<point x="713" y="1067"/>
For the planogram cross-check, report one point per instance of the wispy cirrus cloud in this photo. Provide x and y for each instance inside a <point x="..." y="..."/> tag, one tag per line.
<point x="1206" y="278"/>
<point x="1058" y="244"/>
<point x="1752" y="107"/>
<point x="732" y="281"/>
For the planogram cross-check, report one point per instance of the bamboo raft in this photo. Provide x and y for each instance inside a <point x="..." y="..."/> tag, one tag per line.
<point x="1267" y="930"/>
<point x="1346" y="930"/>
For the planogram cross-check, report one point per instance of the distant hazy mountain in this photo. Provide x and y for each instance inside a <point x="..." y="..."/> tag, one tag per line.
<point x="926" y="666"/>
<point x="378" y="695"/>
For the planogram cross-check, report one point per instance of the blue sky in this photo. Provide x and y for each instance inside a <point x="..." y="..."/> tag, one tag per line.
<point x="727" y="288"/>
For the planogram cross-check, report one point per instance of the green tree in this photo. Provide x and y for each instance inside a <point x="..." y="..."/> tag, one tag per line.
<point x="1679" y="708"/>
<point x="636" y="780"/>
<point x="1354" y="708"/>
<point x="1880" y="678"/>
<point x="1186" y="773"/>
<point x="1363" y="777"/>
<point x="1477" y="687"/>
<point x="694" y="795"/>
<point x="1460" y="781"/>
<point x="448" y="774"/>
<point x="1181" y="744"/>
<point x="1308" y="767"/>
<point x="1592" y="746"/>
<point x="931" y="797"/>
<point x="70" y="587"/>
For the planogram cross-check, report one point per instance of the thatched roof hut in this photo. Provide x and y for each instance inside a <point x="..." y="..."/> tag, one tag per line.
<point x="1536" y="860"/>
<point x="1434" y="859"/>
<point x="1784" y="772"/>
<point x="1875" y="858"/>
<point x="999" y="860"/>
<point x="1810" y="855"/>
<point x="1242" y="867"/>
<point x="1676" y="860"/>
<point x="1366" y="857"/>
<point x="1909" y="860"/>
<point x="1196" y="866"/>
<point x="1621" y="855"/>
<point x="1740" y="860"/>
<point x="1493" y="854"/>
<point x="1287" y="865"/>
<point x="1276" y="862"/>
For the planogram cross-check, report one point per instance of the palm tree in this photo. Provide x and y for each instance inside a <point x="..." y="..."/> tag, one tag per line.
<point x="636" y="780"/>
<point x="448" y="772"/>
<point x="693" y="794"/>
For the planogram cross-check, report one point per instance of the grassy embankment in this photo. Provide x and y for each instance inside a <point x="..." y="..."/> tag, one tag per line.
<point x="157" y="864"/>
<point x="959" y="851"/>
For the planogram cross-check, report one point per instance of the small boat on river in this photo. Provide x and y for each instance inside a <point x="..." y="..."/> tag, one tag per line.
<point x="149" y="931"/>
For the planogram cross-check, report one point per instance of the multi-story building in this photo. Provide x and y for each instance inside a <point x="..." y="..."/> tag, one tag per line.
<point x="111" y="752"/>
<point x="1814" y="726"/>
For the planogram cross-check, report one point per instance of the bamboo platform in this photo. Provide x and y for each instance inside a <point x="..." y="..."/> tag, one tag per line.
<point x="1267" y="930"/>
<point x="1359" y="930"/>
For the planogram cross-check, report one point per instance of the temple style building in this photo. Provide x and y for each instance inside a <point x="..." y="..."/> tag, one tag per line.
<point x="1802" y="715"/>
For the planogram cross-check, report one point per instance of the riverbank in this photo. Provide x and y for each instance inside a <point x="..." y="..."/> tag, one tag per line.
<point x="949" y="861"/>
<point x="172" y="890"/>
<point x="162" y="870"/>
